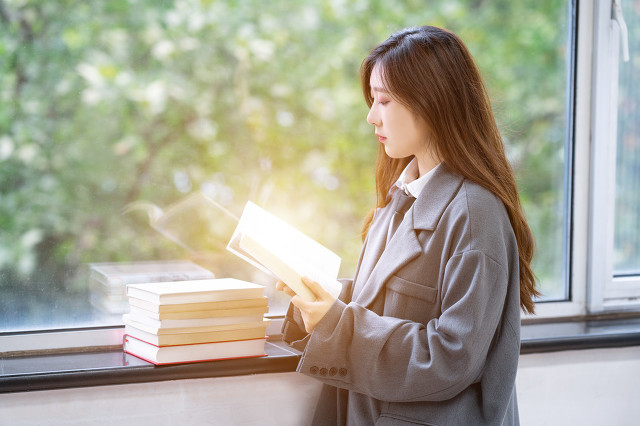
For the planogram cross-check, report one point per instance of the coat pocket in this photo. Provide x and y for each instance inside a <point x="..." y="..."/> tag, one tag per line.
<point x="409" y="300"/>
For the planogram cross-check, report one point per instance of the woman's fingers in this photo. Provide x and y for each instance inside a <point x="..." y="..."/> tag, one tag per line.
<point x="281" y="286"/>
<point x="316" y="288"/>
<point x="313" y="312"/>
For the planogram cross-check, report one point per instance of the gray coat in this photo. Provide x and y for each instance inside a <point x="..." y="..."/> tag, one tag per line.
<point x="433" y="334"/>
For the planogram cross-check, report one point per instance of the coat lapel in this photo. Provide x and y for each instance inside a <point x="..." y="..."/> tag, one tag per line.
<point x="404" y="245"/>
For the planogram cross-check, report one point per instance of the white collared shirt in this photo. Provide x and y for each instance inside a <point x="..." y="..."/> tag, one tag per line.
<point x="409" y="181"/>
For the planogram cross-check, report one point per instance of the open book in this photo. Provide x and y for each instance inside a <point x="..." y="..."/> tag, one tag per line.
<point x="276" y="247"/>
<point x="196" y="222"/>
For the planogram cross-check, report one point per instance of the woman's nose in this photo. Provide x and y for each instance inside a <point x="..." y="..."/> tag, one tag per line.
<point x="372" y="117"/>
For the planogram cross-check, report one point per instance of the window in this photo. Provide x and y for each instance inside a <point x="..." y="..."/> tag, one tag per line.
<point x="113" y="112"/>
<point x="614" y="272"/>
<point x="627" y="205"/>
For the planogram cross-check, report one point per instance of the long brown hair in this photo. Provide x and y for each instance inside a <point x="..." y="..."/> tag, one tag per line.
<point x="432" y="73"/>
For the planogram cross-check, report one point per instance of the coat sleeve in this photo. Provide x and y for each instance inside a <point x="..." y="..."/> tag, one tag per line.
<point x="398" y="360"/>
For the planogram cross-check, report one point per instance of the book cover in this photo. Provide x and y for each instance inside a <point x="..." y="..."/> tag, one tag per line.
<point x="195" y="291"/>
<point x="278" y="248"/>
<point x="192" y="338"/>
<point x="258" y="302"/>
<point x="194" y="353"/>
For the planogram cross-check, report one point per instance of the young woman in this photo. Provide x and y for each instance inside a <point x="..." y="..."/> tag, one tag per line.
<point x="428" y="331"/>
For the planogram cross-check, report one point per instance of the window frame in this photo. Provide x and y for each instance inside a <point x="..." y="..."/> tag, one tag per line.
<point x="578" y="101"/>
<point x="607" y="292"/>
<point x="594" y="288"/>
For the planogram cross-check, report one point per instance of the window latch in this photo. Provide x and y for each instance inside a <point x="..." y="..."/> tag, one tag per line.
<point x="616" y="15"/>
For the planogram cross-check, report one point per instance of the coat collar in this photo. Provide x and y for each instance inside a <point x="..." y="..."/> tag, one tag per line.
<point x="435" y="197"/>
<point x="405" y="246"/>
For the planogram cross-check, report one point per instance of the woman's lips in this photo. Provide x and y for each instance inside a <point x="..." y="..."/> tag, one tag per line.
<point x="381" y="138"/>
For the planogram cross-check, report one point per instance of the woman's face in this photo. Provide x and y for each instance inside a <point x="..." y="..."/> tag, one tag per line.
<point x="400" y="130"/>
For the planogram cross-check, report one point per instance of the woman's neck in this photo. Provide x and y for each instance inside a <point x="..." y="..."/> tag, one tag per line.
<point x="426" y="162"/>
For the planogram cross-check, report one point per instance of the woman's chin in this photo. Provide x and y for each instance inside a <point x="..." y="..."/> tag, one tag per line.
<point x="393" y="153"/>
<point x="390" y="152"/>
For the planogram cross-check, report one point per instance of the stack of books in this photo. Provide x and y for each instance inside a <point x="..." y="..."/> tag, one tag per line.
<point x="108" y="281"/>
<point x="198" y="320"/>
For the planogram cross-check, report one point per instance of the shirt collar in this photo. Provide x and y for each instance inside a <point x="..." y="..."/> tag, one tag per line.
<point x="409" y="181"/>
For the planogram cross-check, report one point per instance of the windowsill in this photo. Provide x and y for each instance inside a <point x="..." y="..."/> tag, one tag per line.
<point x="42" y="372"/>
<point x="580" y="333"/>
<point x="70" y="370"/>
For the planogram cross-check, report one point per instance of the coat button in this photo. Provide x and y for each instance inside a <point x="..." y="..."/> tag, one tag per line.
<point x="342" y="372"/>
<point x="314" y="370"/>
<point x="333" y="371"/>
<point x="323" y="371"/>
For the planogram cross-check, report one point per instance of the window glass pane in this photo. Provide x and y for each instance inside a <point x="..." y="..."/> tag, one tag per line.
<point x="627" y="208"/>
<point x="113" y="110"/>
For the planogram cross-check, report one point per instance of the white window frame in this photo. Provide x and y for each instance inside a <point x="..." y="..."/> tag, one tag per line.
<point x="606" y="292"/>
<point x="576" y="275"/>
<point x="594" y="288"/>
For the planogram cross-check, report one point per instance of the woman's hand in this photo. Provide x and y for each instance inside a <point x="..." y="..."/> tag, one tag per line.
<point x="281" y="286"/>
<point x="312" y="312"/>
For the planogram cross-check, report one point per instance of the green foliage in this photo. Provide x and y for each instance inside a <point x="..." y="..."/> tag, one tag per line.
<point x="106" y="103"/>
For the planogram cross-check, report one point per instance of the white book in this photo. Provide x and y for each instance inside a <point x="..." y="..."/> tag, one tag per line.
<point x="195" y="291"/>
<point x="278" y="248"/>
<point x="153" y="329"/>
<point x="216" y="313"/>
<point x="196" y="352"/>
<point x="152" y="336"/>
<point x="199" y="306"/>
<point x="135" y="316"/>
